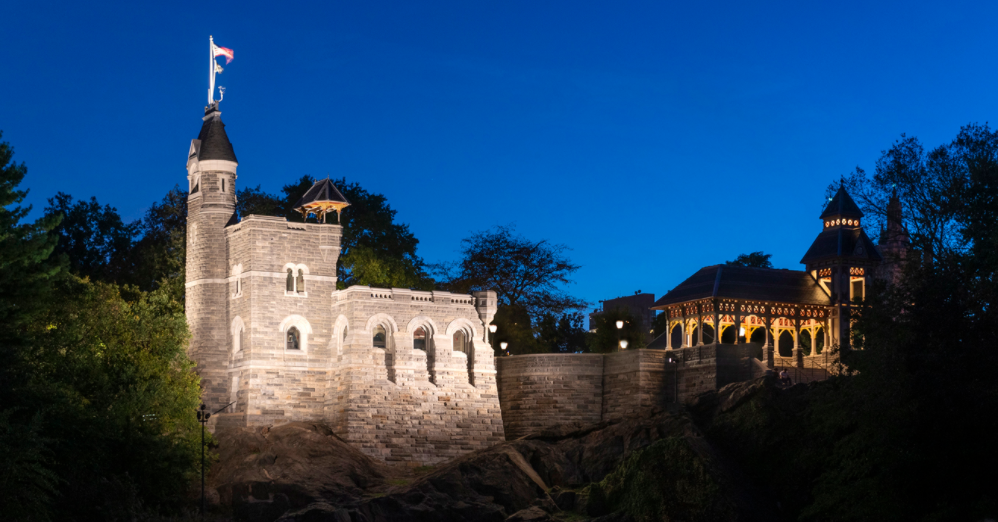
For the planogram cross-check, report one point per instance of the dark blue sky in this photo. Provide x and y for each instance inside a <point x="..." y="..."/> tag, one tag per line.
<point x="651" y="138"/>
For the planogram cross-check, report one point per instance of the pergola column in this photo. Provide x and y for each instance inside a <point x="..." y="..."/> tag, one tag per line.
<point x="738" y="323"/>
<point x="814" y="341"/>
<point x="797" y="350"/>
<point x="699" y="325"/>
<point x="717" y="326"/>
<point x="682" y="333"/>
<point x="668" y="332"/>
<point x="768" y="350"/>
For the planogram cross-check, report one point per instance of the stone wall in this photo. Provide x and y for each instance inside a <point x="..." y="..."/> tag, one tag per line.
<point x="541" y="391"/>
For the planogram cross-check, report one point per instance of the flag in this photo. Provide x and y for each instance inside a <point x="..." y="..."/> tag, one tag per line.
<point x="222" y="51"/>
<point x="218" y="69"/>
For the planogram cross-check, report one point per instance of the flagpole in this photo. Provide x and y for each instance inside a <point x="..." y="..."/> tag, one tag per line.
<point x="211" y="70"/>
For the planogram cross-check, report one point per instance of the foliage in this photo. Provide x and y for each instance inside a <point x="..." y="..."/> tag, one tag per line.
<point x="668" y="480"/>
<point x="563" y="334"/>
<point x="522" y="272"/>
<point x="754" y="260"/>
<point x="96" y="391"/>
<point x="607" y="336"/>
<point x="659" y="325"/>
<point x="93" y="237"/>
<point x="375" y="250"/>
<point x="147" y="253"/>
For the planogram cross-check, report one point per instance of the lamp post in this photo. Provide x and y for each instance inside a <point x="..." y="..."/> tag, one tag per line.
<point x="503" y="346"/>
<point x="675" y="379"/>
<point x="203" y="417"/>
<point x="493" y="328"/>
<point x="621" y="343"/>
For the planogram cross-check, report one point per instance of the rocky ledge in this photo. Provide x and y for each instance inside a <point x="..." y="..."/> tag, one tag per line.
<point x="653" y="468"/>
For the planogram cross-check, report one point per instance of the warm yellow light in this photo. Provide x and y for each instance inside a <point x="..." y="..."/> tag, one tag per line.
<point x="503" y="345"/>
<point x="492" y="328"/>
<point x="741" y="331"/>
<point x="620" y="324"/>
<point x="623" y="344"/>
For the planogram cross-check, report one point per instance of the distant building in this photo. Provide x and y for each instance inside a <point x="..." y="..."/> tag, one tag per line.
<point x="639" y="305"/>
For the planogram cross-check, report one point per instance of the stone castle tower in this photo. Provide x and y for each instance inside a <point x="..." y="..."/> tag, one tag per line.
<point x="407" y="376"/>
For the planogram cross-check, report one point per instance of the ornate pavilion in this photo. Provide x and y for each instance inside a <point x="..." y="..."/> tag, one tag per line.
<point x="733" y="304"/>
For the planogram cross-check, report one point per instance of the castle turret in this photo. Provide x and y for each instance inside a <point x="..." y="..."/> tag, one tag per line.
<point x="894" y="242"/>
<point x="842" y="260"/>
<point x="211" y="175"/>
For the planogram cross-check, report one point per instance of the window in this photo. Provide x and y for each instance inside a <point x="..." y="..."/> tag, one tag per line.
<point x="856" y="290"/>
<point x="223" y="184"/>
<point x="301" y="282"/>
<point x="380" y="337"/>
<point x="294" y="339"/>
<point x="460" y="342"/>
<point x="419" y="339"/>
<point x="291" y="282"/>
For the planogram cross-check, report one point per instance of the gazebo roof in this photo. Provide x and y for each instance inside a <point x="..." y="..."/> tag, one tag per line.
<point x="323" y="191"/>
<point x="840" y="241"/>
<point x="739" y="282"/>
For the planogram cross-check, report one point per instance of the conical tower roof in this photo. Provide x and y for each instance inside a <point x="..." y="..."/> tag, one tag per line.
<point x="842" y="205"/>
<point x="214" y="143"/>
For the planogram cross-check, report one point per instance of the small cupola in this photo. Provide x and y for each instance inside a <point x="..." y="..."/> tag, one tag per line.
<point x="320" y="199"/>
<point x="842" y="211"/>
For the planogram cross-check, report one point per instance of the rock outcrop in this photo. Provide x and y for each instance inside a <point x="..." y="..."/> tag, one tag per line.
<point x="654" y="468"/>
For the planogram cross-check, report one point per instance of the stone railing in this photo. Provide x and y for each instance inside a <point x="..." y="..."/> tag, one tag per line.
<point x="403" y="295"/>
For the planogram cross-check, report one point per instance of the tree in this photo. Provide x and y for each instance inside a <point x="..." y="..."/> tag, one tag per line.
<point x="27" y="280"/>
<point x="754" y="260"/>
<point x="523" y="273"/>
<point x="919" y="400"/>
<point x="94" y="239"/>
<point x="606" y="337"/>
<point x="96" y="391"/>
<point x="563" y="334"/>
<point x="374" y="249"/>
<point x="160" y="256"/>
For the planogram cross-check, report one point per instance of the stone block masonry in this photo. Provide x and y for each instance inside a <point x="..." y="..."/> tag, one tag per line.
<point x="541" y="391"/>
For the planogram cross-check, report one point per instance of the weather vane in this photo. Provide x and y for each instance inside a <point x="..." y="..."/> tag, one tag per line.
<point x="214" y="68"/>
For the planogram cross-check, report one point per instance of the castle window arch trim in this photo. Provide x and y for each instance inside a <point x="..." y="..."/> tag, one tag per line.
<point x="294" y="285"/>
<point x="300" y="325"/>
<point x="238" y="329"/>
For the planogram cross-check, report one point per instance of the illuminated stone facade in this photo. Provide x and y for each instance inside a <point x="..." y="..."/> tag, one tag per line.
<point x="407" y="376"/>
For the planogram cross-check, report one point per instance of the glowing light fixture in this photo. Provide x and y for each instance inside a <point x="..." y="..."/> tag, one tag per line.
<point x="493" y="328"/>
<point x="741" y="331"/>
<point x="503" y="345"/>
<point x="620" y="324"/>
<point x="623" y="344"/>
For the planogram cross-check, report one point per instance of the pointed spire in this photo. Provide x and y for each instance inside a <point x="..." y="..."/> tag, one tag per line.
<point x="842" y="205"/>
<point x="214" y="142"/>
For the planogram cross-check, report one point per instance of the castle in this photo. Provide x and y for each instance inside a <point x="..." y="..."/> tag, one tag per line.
<point x="406" y="376"/>
<point x="409" y="377"/>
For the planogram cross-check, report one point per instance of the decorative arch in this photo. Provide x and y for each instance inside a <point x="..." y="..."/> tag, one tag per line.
<point x="461" y="322"/>
<point x="421" y="320"/>
<point x="295" y="268"/>
<point x="464" y="327"/>
<point x="303" y="326"/>
<point x="391" y="327"/>
<point x="429" y="329"/>
<point x="340" y="329"/>
<point x="382" y="319"/>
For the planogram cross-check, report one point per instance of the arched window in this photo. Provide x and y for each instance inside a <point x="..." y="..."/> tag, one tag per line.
<point x="460" y="342"/>
<point x="380" y="337"/>
<point x="301" y="282"/>
<point x="294" y="339"/>
<point x="419" y="339"/>
<point x="291" y="281"/>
